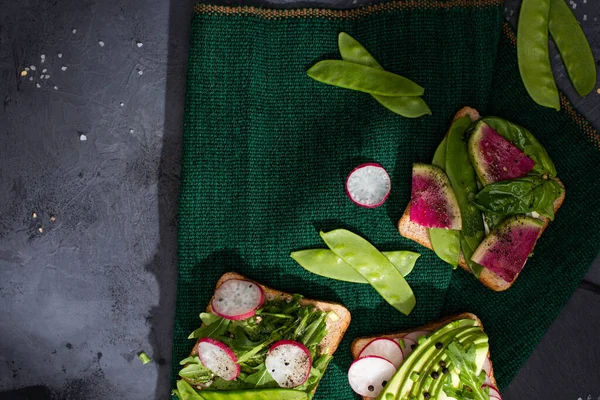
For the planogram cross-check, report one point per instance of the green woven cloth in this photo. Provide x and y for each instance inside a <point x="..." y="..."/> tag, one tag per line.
<point x="267" y="149"/>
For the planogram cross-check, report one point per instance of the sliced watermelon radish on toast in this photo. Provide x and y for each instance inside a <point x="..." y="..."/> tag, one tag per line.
<point x="506" y="249"/>
<point x="219" y="358"/>
<point x="494" y="158"/>
<point x="237" y="299"/>
<point x="289" y="363"/>
<point x="369" y="375"/>
<point x="433" y="203"/>
<point x="385" y="348"/>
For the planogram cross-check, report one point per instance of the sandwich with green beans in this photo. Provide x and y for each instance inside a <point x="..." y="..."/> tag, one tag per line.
<point x="259" y="343"/>
<point x="485" y="199"/>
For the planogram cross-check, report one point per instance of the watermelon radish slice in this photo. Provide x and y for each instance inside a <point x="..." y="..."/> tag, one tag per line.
<point x="368" y="185"/>
<point x="369" y="375"/>
<point x="433" y="202"/>
<point x="506" y="249"/>
<point x="219" y="358"/>
<point x="289" y="363"/>
<point x="385" y="348"/>
<point x="237" y="299"/>
<point x="495" y="158"/>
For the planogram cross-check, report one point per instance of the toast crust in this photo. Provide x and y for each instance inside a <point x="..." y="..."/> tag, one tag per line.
<point x="420" y="234"/>
<point x="335" y="329"/>
<point x="359" y="343"/>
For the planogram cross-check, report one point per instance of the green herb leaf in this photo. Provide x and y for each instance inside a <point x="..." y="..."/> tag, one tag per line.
<point x="261" y="378"/>
<point x="195" y="372"/>
<point x="520" y="196"/>
<point x="208" y="318"/>
<point x="217" y="328"/>
<point x="186" y="392"/>
<point x="464" y="361"/>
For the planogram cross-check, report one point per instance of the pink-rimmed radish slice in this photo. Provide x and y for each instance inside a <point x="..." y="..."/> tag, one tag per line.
<point x="237" y="299"/>
<point x="487" y="367"/>
<point x="408" y="347"/>
<point x="219" y="358"/>
<point x="368" y="185"/>
<point x="368" y="375"/>
<point x="289" y="363"/>
<point x="494" y="393"/>
<point x="414" y="336"/>
<point x="385" y="348"/>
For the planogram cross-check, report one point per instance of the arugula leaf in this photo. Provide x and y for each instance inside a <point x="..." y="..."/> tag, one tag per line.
<point x="261" y="378"/>
<point x="464" y="361"/>
<point x="195" y="372"/>
<point x="217" y="328"/>
<point x="520" y="196"/>
<point x="208" y="318"/>
<point x="185" y="391"/>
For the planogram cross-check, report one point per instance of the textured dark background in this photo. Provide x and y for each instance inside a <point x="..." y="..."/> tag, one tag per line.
<point x="81" y="298"/>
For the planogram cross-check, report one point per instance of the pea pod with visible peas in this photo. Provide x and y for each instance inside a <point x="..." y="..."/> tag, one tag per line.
<point x="326" y="263"/>
<point x="464" y="183"/>
<point x="353" y="76"/>
<point x="406" y="106"/>
<point x="573" y="47"/>
<point x="373" y="266"/>
<point x="533" y="54"/>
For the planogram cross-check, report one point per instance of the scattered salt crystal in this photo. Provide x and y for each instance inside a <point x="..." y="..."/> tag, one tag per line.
<point x="140" y="72"/>
<point x="74" y="31"/>
<point x="122" y="104"/>
<point x="138" y="43"/>
<point x="47" y="76"/>
<point x="101" y="43"/>
<point x="37" y="85"/>
<point x="82" y="137"/>
<point x="24" y="73"/>
<point x="34" y="215"/>
<point x="27" y="69"/>
<point x="131" y="131"/>
<point x="59" y="55"/>
<point x="55" y="87"/>
<point x="574" y="6"/>
<point x="32" y="67"/>
<point x="64" y="68"/>
<point x="44" y="71"/>
<point x="585" y="17"/>
<point x="598" y="91"/>
<point x="43" y="57"/>
<point x="31" y="78"/>
<point x="41" y="230"/>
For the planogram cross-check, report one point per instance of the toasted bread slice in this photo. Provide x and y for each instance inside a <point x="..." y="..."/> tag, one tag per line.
<point x="335" y="327"/>
<point x="359" y="343"/>
<point x="420" y="234"/>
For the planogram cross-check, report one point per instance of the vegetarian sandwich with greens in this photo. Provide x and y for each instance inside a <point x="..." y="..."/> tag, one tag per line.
<point x="260" y="343"/>
<point x="485" y="199"/>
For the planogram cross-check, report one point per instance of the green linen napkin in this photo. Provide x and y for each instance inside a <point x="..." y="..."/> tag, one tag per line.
<point x="267" y="149"/>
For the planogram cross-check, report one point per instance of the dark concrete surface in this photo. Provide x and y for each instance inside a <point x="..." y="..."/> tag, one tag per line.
<point x="82" y="293"/>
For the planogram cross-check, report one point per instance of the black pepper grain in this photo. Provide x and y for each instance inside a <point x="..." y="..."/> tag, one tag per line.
<point x="445" y="371"/>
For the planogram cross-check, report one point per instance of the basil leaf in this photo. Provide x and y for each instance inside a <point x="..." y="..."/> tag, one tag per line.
<point x="520" y="196"/>
<point x="217" y="328"/>
<point x="526" y="142"/>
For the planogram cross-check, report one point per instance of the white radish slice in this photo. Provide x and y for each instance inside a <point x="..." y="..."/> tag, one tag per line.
<point x="487" y="366"/>
<point x="385" y="348"/>
<point x="237" y="299"/>
<point x="368" y="375"/>
<point x="289" y="363"/>
<point x="368" y="185"/>
<point x="408" y="348"/>
<point x="494" y="393"/>
<point x="414" y="336"/>
<point x="219" y="358"/>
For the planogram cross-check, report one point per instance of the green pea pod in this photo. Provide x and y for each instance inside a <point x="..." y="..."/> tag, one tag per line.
<point x="439" y="158"/>
<point x="407" y="106"/>
<point x="533" y="55"/>
<point x="373" y="266"/>
<point x="324" y="262"/>
<point x="573" y="47"/>
<point x="353" y="76"/>
<point x="255" y="394"/>
<point x="526" y="142"/>
<point x="464" y="182"/>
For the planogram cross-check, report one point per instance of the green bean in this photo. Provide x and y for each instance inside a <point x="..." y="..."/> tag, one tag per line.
<point x="573" y="47"/>
<point x="464" y="182"/>
<point x="324" y="262"/>
<point x="533" y="54"/>
<point x="406" y="106"/>
<point x="353" y="76"/>
<point x="255" y="394"/>
<point x="373" y="266"/>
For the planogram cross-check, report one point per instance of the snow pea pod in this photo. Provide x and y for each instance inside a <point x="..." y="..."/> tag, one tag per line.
<point x="255" y="394"/>
<point x="354" y="76"/>
<point x="373" y="266"/>
<point x="406" y="106"/>
<point x="444" y="242"/>
<point x="326" y="263"/>
<point x="572" y="46"/>
<point x="464" y="182"/>
<point x="533" y="54"/>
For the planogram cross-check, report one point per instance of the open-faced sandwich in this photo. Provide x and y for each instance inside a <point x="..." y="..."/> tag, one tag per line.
<point x="260" y="343"/>
<point x="446" y="360"/>
<point x="485" y="199"/>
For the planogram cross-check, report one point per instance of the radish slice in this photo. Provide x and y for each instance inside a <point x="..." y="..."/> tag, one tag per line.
<point x="237" y="299"/>
<point x="385" y="348"/>
<point x="219" y="358"/>
<point x="487" y="366"/>
<point x="368" y="185"/>
<point x="289" y="363"/>
<point x="369" y="375"/>
<point x="414" y="336"/>
<point x="408" y="348"/>
<point x="494" y="393"/>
